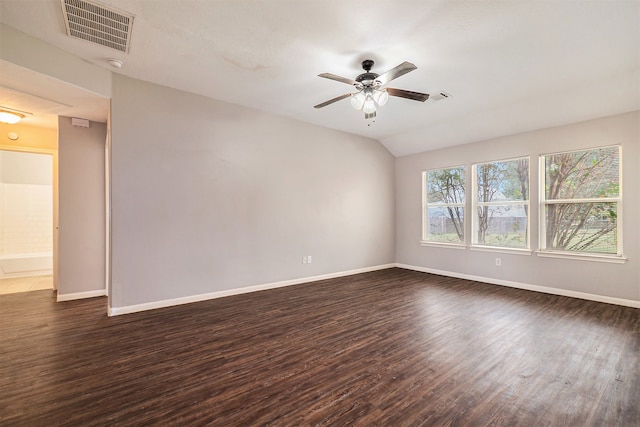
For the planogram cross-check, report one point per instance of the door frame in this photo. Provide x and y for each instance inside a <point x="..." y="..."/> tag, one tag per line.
<point x="54" y="157"/>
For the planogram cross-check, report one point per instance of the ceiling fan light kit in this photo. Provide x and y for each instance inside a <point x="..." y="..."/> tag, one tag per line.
<point x="367" y="99"/>
<point x="369" y="88"/>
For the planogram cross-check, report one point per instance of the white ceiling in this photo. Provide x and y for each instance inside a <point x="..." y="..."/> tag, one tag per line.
<point x="510" y="66"/>
<point x="43" y="98"/>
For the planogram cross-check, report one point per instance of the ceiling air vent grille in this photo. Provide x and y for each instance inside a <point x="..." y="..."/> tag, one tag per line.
<point x="97" y="23"/>
<point x="439" y="96"/>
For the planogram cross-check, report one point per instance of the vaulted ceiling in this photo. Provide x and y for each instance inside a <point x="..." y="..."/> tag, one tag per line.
<point x="509" y="66"/>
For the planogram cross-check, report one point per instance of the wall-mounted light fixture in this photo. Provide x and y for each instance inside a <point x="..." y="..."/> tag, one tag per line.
<point x="10" y="117"/>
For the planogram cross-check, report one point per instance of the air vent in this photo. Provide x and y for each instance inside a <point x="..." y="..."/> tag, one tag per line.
<point x="97" y="23"/>
<point x="439" y="96"/>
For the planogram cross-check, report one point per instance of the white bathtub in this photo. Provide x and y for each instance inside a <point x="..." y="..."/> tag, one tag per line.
<point x="21" y="265"/>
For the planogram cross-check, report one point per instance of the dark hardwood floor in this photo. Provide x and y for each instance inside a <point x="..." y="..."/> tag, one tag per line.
<point x="387" y="348"/>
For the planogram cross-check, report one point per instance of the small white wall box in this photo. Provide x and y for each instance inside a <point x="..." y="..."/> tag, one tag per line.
<point x="83" y="123"/>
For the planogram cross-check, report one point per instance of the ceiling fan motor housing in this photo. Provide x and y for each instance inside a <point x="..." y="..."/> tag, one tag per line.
<point x="367" y="65"/>
<point x="367" y="78"/>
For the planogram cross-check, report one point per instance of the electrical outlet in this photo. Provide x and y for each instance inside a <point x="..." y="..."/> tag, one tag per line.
<point x="309" y="259"/>
<point x="498" y="262"/>
<point x="304" y="259"/>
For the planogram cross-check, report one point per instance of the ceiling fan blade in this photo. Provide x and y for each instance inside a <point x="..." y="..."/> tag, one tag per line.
<point x="331" y="101"/>
<point x="396" y="72"/>
<point x="416" y="96"/>
<point x="337" y="78"/>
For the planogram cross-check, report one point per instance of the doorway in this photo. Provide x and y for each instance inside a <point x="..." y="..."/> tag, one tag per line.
<point x="27" y="218"/>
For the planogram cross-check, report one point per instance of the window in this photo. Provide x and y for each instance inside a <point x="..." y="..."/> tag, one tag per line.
<point x="443" y="205"/>
<point x="501" y="204"/>
<point x="581" y="202"/>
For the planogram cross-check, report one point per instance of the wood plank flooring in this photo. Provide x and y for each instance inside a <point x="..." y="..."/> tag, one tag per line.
<point x="387" y="348"/>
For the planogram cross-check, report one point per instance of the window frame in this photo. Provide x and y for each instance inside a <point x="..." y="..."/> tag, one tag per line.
<point x="543" y="250"/>
<point x="475" y="204"/>
<point x="425" y="210"/>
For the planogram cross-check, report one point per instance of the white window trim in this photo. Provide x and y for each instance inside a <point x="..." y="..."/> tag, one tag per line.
<point x="425" y="206"/>
<point x="502" y="203"/>
<point x="617" y="258"/>
<point x="587" y="200"/>
<point x="501" y="249"/>
<point x="443" y="244"/>
<point x="475" y="204"/>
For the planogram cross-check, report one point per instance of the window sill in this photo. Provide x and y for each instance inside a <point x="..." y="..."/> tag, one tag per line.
<point x="613" y="259"/>
<point x="515" y="251"/>
<point x="442" y="245"/>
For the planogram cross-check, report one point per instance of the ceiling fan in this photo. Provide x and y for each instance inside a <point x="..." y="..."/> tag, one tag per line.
<point x="369" y="88"/>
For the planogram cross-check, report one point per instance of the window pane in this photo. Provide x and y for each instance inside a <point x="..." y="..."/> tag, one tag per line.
<point x="443" y="221"/>
<point x="508" y="180"/>
<point x="582" y="227"/>
<point x="445" y="186"/>
<point x="504" y="226"/>
<point x="445" y="224"/>
<point x="582" y="174"/>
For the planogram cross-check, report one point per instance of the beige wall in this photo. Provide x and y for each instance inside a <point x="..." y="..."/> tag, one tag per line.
<point x="81" y="246"/>
<point x="29" y="137"/>
<point x="209" y="196"/>
<point x="596" y="278"/>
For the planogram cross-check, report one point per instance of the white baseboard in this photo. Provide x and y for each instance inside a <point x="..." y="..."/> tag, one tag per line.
<point x="116" y="311"/>
<point x="526" y="286"/>
<point x="81" y="295"/>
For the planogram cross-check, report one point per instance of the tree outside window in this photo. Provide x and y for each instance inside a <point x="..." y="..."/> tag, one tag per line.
<point x="443" y="207"/>
<point x="501" y="203"/>
<point x="581" y="201"/>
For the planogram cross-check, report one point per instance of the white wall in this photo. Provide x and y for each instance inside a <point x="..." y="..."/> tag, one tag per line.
<point x="27" y="220"/>
<point x="209" y="196"/>
<point x="81" y="192"/>
<point x="25" y="168"/>
<point x="26" y="203"/>
<point x="604" y="279"/>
